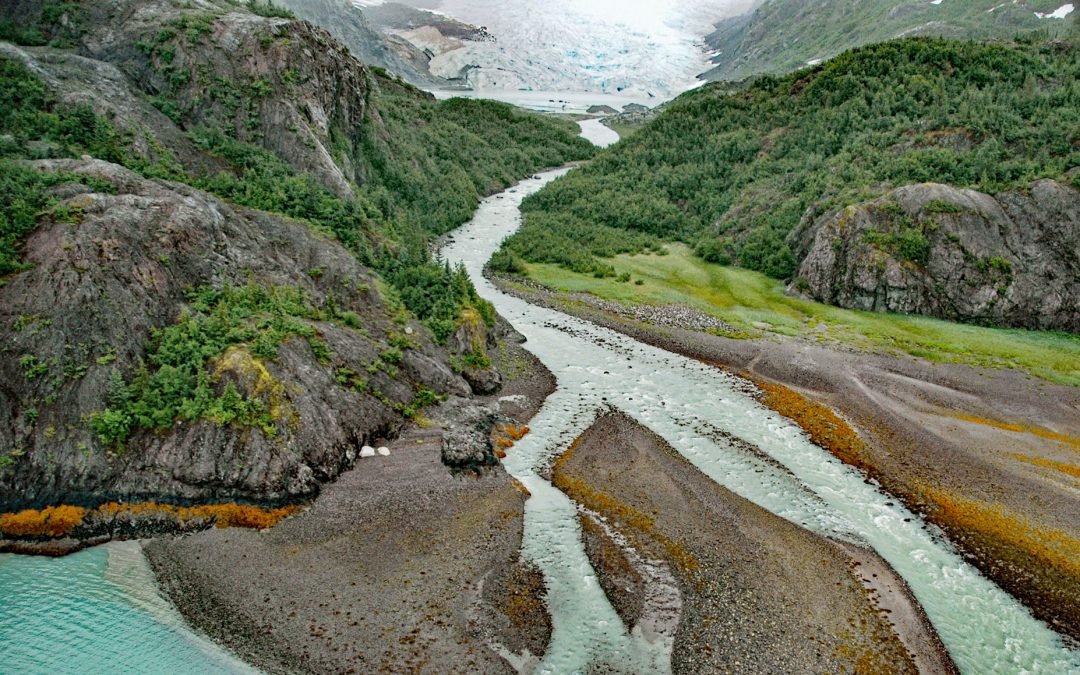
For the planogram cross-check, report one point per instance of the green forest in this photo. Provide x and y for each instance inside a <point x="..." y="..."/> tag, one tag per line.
<point x="731" y="170"/>
<point x="426" y="167"/>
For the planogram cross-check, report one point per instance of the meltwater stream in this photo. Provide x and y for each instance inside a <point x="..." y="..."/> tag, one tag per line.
<point x="696" y="408"/>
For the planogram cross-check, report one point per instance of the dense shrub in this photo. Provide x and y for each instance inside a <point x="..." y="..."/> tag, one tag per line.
<point x="175" y="383"/>
<point x="733" y="172"/>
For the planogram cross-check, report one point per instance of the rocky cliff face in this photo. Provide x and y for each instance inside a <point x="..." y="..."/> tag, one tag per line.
<point x="283" y="84"/>
<point x="1012" y="259"/>
<point x="99" y="289"/>
<point x="244" y="74"/>
<point x="114" y="270"/>
<point x="355" y="30"/>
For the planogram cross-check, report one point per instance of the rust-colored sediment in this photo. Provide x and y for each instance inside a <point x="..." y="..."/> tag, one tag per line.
<point x="1062" y="467"/>
<point x="825" y="427"/>
<point x="60" y="521"/>
<point x="523" y="601"/>
<point x="611" y="507"/>
<point x="1039" y="565"/>
<point x="1041" y="432"/>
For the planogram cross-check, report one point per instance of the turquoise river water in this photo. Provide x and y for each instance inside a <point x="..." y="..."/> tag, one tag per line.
<point x="97" y="611"/>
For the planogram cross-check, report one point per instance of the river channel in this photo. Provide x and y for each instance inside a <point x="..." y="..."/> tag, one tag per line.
<point x="687" y="403"/>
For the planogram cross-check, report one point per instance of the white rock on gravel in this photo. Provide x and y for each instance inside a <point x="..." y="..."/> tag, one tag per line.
<point x="384" y="451"/>
<point x="367" y="451"/>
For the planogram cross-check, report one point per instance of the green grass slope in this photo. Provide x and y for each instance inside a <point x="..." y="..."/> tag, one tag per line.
<point x="756" y="306"/>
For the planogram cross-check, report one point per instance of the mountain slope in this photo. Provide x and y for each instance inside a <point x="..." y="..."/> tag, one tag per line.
<point x="346" y="22"/>
<point x="735" y="172"/>
<point x="231" y="291"/>
<point x="784" y="35"/>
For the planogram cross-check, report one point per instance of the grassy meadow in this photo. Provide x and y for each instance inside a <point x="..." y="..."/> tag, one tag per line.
<point x="757" y="306"/>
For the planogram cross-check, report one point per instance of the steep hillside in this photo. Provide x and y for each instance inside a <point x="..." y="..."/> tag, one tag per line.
<point x="214" y="246"/>
<point x="733" y="171"/>
<point x="346" y="22"/>
<point x="784" y="35"/>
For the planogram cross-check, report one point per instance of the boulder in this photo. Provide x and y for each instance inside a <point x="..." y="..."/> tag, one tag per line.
<point x="1011" y="259"/>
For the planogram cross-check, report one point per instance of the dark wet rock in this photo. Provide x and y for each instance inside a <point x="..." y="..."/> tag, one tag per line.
<point x="1012" y="259"/>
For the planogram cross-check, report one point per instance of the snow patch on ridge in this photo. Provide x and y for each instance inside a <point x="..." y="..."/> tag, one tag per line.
<point x="1059" y="13"/>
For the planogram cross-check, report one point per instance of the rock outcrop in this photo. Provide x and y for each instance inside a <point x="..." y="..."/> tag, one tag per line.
<point x="159" y="341"/>
<point x="285" y="85"/>
<point x="98" y="290"/>
<point x="1012" y="259"/>
<point x="351" y="25"/>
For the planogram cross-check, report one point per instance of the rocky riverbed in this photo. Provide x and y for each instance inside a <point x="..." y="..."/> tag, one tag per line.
<point x="759" y="594"/>
<point x="981" y="453"/>
<point x="399" y="566"/>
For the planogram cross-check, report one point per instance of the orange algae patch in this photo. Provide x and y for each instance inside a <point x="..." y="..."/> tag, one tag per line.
<point x="513" y="431"/>
<point x="60" y="521"/>
<point x="505" y="436"/>
<point x="53" y="521"/>
<point x="612" y="508"/>
<point x="825" y="428"/>
<point x="1053" y="547"/>
<point x="223" y="515"/>
<point x="1067" y="469"/>
<point x="1041" y="432"/>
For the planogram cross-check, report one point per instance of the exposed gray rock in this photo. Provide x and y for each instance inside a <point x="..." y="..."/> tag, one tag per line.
<point x="348" y="23"/>
<point x="466" y="442"/>
<point x="282" y="84"/>
<point x="483" y="381"/>
<point x="99" y="287"/>
<point x="1010" y="260"/>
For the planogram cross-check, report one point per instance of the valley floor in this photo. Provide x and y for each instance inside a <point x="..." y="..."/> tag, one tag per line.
<point x="981" y="453"/>
<point x="989" y="455"/>
<point x="759" y="593"/>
